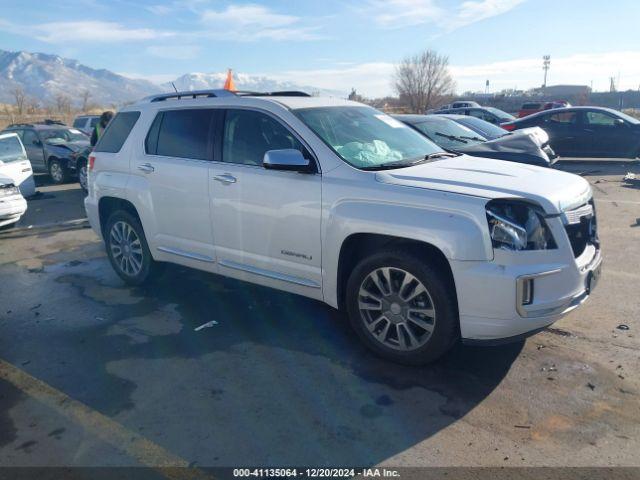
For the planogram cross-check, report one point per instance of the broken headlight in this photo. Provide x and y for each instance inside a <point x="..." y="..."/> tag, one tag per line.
<point x="516" y="225"/>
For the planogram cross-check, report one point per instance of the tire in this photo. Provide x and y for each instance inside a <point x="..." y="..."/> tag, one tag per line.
<point x="423" y="323"/>
<point x="57" y="172"/>
<point x="138" y="265"/>
<point x="82" y="175"/>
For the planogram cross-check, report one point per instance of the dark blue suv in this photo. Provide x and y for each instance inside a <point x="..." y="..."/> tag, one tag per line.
<point x="54" y="148"/>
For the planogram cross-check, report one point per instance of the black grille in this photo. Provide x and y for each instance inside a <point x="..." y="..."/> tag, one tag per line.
<point x="583" y="233"/>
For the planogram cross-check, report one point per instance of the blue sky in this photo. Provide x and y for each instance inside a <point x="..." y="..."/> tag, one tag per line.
<point x="338" y="44"/>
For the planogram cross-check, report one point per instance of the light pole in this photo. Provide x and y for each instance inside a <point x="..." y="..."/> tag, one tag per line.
<point x="546" y="62"/>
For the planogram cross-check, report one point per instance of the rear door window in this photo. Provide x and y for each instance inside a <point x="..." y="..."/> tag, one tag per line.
<point x="184" y="133"/>
<point x="562" y="118"/>
<point x="79" y="122"/>
<point x="117" y="132"/>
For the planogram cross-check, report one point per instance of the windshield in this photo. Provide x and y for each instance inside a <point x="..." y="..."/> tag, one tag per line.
<point x="488" y="130"/>
<point x="367" y="138"/>
<point x="61" y="135"/>
<point x="500" y="113"/>
<point x="628" y="118"/>
<point x="448" y="134"/>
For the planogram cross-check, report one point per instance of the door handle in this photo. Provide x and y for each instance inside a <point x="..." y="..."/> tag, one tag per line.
<point x="146" y="168"/>
<point x="226" y="178"/>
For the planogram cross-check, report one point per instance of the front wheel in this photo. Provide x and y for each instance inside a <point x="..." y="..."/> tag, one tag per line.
<point x="402" y="308"/>
<point x="57" y="172"/>
<point x="128" y="250"/>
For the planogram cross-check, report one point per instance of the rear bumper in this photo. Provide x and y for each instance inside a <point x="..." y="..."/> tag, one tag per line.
<point x="91" y="207"/>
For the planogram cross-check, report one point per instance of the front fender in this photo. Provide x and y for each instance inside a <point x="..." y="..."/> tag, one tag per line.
<point x="458" y="234"/>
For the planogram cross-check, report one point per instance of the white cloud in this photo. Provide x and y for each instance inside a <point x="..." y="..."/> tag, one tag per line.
<point x="404" y="13"/>
<point x="375" y="79"/>
<point x="92" y="31"/>
<point x="476" y="10"/>
<point x="252" y="22"/>
<point x="245" y="15"/>
<point x="370" y="79"/>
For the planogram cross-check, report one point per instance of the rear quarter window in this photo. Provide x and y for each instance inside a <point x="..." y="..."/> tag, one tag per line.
<point x="117" y="132"/>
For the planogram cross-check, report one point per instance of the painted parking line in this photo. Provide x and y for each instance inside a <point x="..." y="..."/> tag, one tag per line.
<point x="132" y="444"/>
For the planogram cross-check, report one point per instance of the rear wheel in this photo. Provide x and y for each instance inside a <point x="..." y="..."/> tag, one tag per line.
<point x="128" y="250"/>
<point x="402" y="308"/>
<point x="57" y="172"/>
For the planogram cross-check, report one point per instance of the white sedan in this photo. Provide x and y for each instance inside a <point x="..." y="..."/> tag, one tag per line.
<point x="15" y="164"/>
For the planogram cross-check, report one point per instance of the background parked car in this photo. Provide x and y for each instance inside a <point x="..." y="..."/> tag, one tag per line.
<point x="12" y="203"/>
<point x="528" y="146"/>
<point x="488" y="130"/>
<point x="530" y="108"/>
<point x="52" y="148"/>
<point x="488" y="114"/>
<point x="86" y="123"/>
<point x="586" y="131"/>
<point x="15" y="165"/>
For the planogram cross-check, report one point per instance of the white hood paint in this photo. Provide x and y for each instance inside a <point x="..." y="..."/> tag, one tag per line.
<point x="552" y="189"/>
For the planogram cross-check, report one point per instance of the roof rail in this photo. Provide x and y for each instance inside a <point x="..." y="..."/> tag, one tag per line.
<point x="52" y="121"/>
<point x="283" y="93"/>
<point x="188" y="94"/>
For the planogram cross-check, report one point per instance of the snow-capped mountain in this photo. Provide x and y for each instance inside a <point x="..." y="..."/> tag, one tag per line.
<point x="43" y="77"/>
<point x="243" y="81"/>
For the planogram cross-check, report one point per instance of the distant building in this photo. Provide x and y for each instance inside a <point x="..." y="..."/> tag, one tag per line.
<point x="563" y="91"/>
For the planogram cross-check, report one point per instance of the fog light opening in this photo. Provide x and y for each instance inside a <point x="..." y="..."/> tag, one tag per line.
<point x="527" y="291"/>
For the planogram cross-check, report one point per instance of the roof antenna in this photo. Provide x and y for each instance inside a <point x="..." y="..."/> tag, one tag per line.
<point x="174" y="87"/>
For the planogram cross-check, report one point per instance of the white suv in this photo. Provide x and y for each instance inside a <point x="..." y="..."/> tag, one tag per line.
<point x="339" y="202"/>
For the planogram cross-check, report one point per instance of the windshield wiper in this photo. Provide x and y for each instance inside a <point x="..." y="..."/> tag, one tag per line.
<point x="452" y="137"/>
<point x="410" y="162"/>
<point x="474" y="138"/>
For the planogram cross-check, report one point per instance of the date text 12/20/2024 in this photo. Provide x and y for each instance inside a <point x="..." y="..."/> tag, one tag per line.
<point x="315" y="473"/>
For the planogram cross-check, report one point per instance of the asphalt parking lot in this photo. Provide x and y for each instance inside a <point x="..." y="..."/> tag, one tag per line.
<point x="94" y="373"/>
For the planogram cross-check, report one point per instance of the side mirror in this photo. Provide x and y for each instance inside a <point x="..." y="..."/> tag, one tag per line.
<point x="618" y="122"/>
<point x="288" y="159"/>
<point x="37" y="143"/>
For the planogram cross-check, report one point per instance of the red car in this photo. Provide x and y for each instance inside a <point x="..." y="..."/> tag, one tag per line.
<point x="535" y="107"/>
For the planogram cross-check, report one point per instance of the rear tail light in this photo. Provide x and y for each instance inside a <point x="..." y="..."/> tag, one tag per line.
<point x="508" y="127"/>
<point x="92" y="161"/>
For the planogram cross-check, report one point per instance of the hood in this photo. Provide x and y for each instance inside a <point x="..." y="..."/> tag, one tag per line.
<point x="553" y="190"/>
<point x="76" y="146"/>
<point x="527" y="140"/>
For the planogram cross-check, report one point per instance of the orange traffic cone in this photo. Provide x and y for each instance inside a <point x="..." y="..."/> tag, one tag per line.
<point x="228" y="83"/>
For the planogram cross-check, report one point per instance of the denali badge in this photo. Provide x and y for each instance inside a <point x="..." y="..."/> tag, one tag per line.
<point x="294" y="254"/>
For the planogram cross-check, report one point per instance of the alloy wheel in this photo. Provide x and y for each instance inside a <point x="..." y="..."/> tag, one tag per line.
<point x="396" y="308"/>
<point x="56" y="172"/>
<point x="126" y="248"/>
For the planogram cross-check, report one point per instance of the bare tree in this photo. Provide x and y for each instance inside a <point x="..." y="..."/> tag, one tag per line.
<point x="63" y="104"/>
<point x="422" y="79"/>
<point x="32" y="105"/>
<point x="86" y="94"/>
<point x="19" y="98"/>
